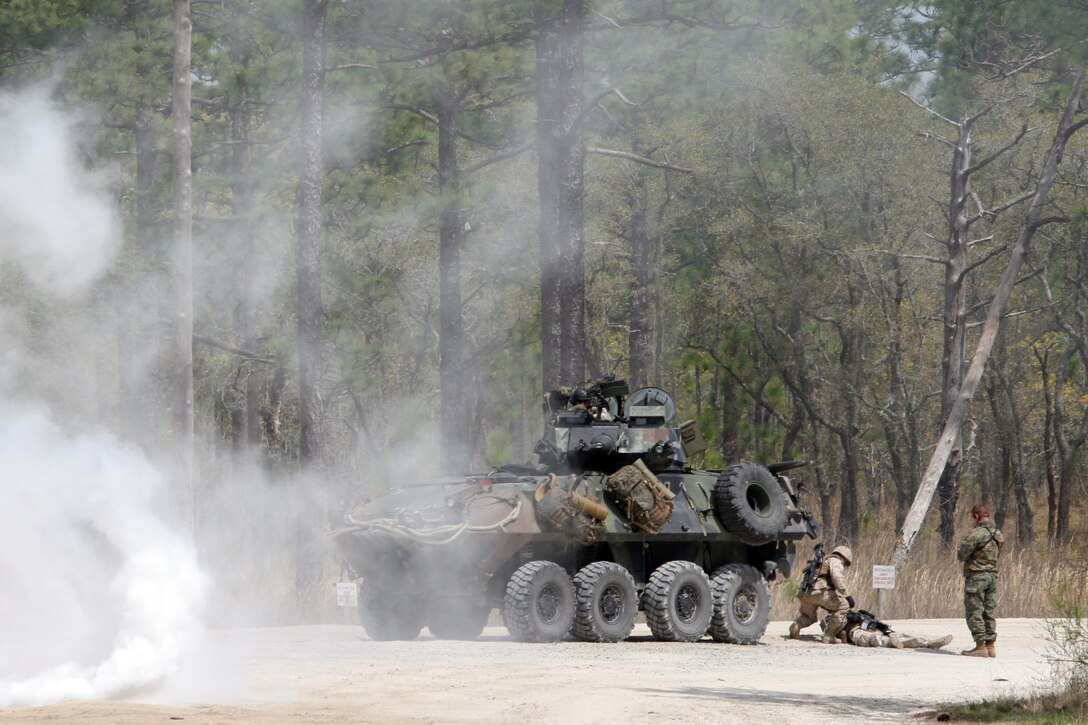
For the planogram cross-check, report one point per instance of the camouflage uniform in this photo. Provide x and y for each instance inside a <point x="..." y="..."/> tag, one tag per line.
<point x="856" y="634"/>
<point x="979" y="551"/>
<point x="828" y="592"/>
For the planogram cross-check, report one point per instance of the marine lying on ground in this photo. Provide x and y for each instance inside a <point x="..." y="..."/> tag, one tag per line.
<point x="613" y="519"/>
<point x="863" y="629"/>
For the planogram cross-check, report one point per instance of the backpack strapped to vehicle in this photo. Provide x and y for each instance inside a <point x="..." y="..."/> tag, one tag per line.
<point x="647" y="503"/>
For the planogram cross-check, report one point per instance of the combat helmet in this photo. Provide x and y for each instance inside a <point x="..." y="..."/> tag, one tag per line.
<point x="845" y="553"/>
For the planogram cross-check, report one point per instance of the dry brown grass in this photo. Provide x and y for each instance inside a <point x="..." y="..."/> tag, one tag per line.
<point x="930" y="584"/>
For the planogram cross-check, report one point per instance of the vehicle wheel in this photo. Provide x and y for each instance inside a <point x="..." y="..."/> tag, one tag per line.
<point x="606" y="603"/>
<point x="742" y="604"/>
<point x="539" y="603"/>
<point x="457" y="618"/>
<point x="387" y="614"/>
<point x="749" y="503"/>
<point x="678" y="602"/>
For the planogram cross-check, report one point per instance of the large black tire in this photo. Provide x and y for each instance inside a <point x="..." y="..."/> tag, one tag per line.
<point x="457" y="618"/>
<point x="742" y="604"/>
<point x="750" y="503"/>
<point x="678" y="602"/>
<point x="387" y="614"/>
<point x="539" y="603"/>
<point x="606" y="603"/>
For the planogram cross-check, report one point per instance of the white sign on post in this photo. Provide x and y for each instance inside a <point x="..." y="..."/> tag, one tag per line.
<point x="883" y="577"/>
<point x="347" y="594"/>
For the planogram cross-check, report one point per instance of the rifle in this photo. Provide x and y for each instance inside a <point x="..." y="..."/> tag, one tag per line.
<point x="866" y="620"/>
<point x="810" y="569"/>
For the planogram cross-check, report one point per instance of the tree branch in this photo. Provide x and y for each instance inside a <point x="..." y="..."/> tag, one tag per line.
<point x="236" y="351"/>
<point x="497" y="158"/>
<point x="638" y="159"/>
<point x="989" y="159"/>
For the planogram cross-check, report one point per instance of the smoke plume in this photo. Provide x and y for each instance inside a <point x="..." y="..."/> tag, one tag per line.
<point x="102" y="597"/>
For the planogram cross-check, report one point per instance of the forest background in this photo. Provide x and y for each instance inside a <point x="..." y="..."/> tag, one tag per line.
<point x="403" y="221"/>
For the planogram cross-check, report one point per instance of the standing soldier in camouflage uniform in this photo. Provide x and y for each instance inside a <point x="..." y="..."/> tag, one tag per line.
<point x="979" y="551"/>
<point x="827" y="592"/>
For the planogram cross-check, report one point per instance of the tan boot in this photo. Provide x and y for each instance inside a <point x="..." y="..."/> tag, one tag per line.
<point x="991" y="647"/>
<point x="795" y="631"/>
<point x="830" y="639"/>
<point x="980" y="650"/>
<point x="938" y="643"/>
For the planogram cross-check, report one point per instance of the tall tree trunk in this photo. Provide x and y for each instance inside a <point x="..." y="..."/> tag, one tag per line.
<point x="955" y="319"/>
<point x="308" y="263"/>
<point x="1049" y="453"/>
<point x="642" y="260"/>
<point x="560" y="180"/>
<point x="247" y="430"/>
<point x="825" y="486"/>
<point x="1068" y="450"/>
<point x="183" y="250"/>
<point x="1033" y="220"/>
<point x="246" y="417"/>
<point x="851" y="361"/>
<point x="138" y="395"/>
<point x="1025" y="516"/>
<point x="457" y="406"/>
<point x="999" y="483"/>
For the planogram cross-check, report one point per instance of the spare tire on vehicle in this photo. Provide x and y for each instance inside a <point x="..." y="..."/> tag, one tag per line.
<point x="750" y="504"/>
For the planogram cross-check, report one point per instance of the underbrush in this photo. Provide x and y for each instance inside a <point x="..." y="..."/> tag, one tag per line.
<point x="930" y="584"/>
<point x="1068" y="706"/>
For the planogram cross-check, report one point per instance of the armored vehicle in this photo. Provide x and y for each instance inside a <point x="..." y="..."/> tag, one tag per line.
<point x="614" y="519"/>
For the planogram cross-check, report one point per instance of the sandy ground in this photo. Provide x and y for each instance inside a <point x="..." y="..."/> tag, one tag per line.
<point x="334" y="674"/>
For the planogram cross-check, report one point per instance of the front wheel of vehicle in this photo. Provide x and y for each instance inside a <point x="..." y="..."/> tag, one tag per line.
<point x="388" y="614"/>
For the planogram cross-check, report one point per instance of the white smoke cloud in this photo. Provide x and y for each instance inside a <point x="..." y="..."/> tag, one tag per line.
<point x="101" y="597"/>
<point x="56" y="225"/>
<point x="79" y="509"/>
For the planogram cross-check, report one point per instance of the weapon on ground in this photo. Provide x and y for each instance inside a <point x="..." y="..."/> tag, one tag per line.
<point x="867" y="620"/>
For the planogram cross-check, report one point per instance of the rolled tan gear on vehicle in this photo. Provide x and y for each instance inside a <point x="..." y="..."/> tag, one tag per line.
<point x="647" y="502"/>
<point x="543" y="488"/>
<point x="584" y="503"/>
<point x="561" y="510"/>
<point x="589" y="506"/>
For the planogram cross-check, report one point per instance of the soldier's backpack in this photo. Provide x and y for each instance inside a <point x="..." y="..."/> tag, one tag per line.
<point x="566" y="511"/>
<point x="647" y="502"/>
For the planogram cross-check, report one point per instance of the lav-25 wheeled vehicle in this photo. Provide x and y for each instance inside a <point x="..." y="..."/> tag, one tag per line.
<point x="613" y="520"/>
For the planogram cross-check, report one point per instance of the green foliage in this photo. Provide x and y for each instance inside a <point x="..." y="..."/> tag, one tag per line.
<point x="787" y="281"/>
<point x="1058" y="709"/>
<point x="1067" y="626"/>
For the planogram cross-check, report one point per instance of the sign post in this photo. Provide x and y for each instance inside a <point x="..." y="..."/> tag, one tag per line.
<point x="883" y="578"/>
<point x="347" y="597"/>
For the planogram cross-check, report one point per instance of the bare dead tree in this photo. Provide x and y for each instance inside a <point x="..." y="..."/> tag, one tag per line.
<point x="1068" y="125"/>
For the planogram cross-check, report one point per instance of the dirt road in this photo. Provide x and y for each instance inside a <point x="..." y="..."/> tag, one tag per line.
<point x="334" y="674"/>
